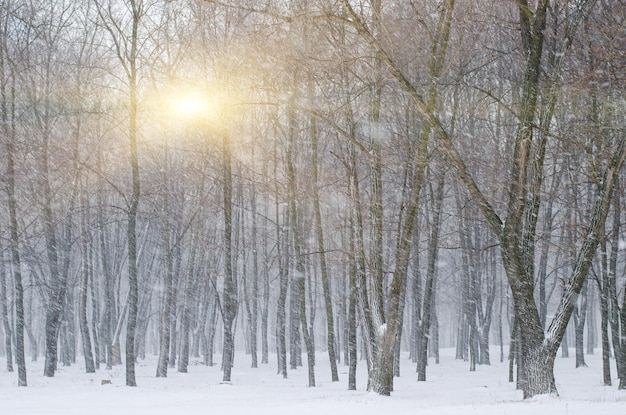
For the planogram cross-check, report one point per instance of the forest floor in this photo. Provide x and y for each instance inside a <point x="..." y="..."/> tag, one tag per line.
<point x="450" y="389"/>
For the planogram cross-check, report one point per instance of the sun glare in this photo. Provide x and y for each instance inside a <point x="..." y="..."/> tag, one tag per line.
<point x="210" y="108"/>
<point x="192" y="106"/>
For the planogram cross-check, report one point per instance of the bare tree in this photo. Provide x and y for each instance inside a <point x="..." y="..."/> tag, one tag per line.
<point x="124" y="33"/>
<point x="7" y="106"/>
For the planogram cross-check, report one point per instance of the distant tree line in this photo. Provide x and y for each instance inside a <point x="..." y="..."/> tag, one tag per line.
<point x="191" y="178"/>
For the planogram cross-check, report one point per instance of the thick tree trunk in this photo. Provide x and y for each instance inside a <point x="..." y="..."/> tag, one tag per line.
<point x="538" y="364"/>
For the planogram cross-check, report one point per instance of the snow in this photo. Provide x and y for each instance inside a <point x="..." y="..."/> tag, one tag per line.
<point x="382" y="329"/>
<point x="450" y="389"/>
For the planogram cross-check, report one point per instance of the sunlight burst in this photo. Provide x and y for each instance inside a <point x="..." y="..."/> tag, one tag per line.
<point x="193" y="106"/>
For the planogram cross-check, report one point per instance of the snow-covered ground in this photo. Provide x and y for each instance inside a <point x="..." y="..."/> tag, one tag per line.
<point x="450" y="389"/>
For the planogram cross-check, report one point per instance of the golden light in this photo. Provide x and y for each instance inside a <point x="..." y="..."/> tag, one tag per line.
<point x="211" y="107"/>
<point x="194" y="106"/>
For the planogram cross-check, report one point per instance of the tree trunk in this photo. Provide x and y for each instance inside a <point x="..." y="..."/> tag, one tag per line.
<point x="281" y="318"/>
<point x="429" y="291"/>
<point x="603" y="294"/>
<point x="108" y="314"/>
<point x="189" y="304"/>
<point x="4" y="300"/>
<point x="128" y="58"/>
<point x="9" y="129"/>
<point x="254" y="298"/>
<point x="326" y="287"/>
<point x="298" y="294"/>
<point x="306" y="334"/>
<point x="229" y="297"/>
<point x="265" y="307"/>
<point x="353" y="296"/>
<point x="168" y="278"/>
<point x="592" y="326"/>
<point x="580" y="313"/>
<point x="383" y="327"/>
<point x="295" y="347"/>
<point x="57" y="281"/>
<point x="90" y="366"/>
<point x="210" y="336"/>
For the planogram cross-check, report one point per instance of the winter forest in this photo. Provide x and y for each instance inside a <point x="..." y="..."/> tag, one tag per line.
<point x="282" y="182"/>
